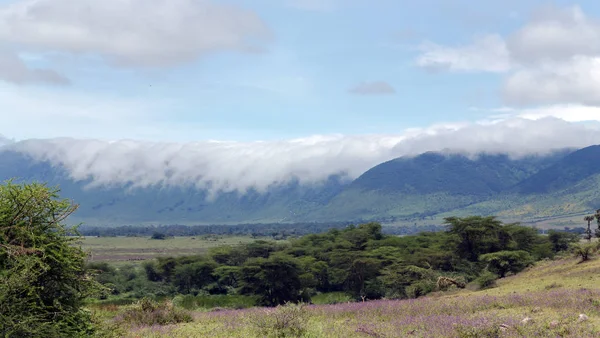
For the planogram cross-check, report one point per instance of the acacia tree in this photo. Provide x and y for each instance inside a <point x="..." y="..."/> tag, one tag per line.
<point x="42" y="277"/>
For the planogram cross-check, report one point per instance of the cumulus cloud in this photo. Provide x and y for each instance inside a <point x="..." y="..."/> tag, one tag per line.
<point x="575" y="81"/>
<point x="133" y="32"/>
<point x="487" y="53"/>
<point x="14" y="70"/>
<point x="555" y="34"/>
<point x="553" y="59"/>
<point x="372" y="88"/>
<point x="236" y="166"/>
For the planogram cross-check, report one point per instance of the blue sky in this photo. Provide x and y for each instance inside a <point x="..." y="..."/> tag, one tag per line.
<point x="267" y="69"/>
<point x="247" y="93"/>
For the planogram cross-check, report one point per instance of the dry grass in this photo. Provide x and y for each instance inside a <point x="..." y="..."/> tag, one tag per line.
<point x="120" y="249"/>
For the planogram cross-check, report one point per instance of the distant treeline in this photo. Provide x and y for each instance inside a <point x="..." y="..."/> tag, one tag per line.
<point x="278" y="230"/>
<point x="359" y="261"/>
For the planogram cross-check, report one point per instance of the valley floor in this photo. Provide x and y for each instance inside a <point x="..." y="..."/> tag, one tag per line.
<point x="558" y="298"/>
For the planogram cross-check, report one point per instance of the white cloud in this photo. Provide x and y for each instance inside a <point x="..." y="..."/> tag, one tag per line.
<point x="553" y="59"/>
<point x="570" y="113"/>
<point x="133" y="32"/>
<point x="372" y="88"/>
<point x="229" y="166"/>
<point x="13" y="69"/>
<point x="555" y="34"/>
<point x="487" y="53"/>
<point x="575" y="81"/>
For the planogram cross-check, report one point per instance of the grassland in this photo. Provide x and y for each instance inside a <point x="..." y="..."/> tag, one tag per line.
<point x="559" y="298"/>
<point x="121" y="249"/>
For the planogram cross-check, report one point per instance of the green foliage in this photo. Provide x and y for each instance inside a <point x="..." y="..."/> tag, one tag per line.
<point x="289" y="320"/>
<point x="359" y="262"/>
<point x="486" y="280"/>
<point x="149" y="312"/>
<point x="331" y="298"/>
<point x="158" y="236"/>
<point x="584" y="251"/>
<point x="191" y="302"/>
<point x="43" y="283"/>
<point x="275" y="279"/>
<point x="477" y="235"/>
<point x="561" y="241"/>
<point x="502" y="262"/>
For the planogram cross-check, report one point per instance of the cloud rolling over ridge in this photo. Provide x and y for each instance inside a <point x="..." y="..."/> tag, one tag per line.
<point x="236" y="166"/>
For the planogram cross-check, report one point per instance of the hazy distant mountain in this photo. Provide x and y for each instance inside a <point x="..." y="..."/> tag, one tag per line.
<point x="410" y="187"/>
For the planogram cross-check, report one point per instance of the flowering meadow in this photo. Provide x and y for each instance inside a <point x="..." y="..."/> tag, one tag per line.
<point x="553" y="299"/>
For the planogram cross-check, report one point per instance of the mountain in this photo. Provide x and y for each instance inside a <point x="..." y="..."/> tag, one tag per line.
<point x="569" y="171"/>
<point x="433" y="183"/>
<point x="429" y="185"/>
<point x="184" y="205"/>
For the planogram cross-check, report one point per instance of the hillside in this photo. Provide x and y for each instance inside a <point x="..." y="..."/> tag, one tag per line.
<point x="428" y="186"/>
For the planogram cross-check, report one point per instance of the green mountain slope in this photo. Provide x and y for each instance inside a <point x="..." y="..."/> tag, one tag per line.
<point x="432" y="183"/>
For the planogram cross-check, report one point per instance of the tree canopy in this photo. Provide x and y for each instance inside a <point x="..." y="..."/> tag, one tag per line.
<point x="42" y="278"/>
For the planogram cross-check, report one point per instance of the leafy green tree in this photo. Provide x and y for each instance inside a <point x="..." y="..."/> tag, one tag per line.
<point x="397" y="278"/>
<point x="502" y="262"/>
<point x="43" y="280"/>
<point x="561" y="240"/>
<point x="275" y="279"/>
<point x="194" y="276"/>
<point x="477" y="235"/>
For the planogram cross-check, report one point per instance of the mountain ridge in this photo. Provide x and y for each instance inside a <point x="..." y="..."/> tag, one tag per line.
<point x="430" y="184"/>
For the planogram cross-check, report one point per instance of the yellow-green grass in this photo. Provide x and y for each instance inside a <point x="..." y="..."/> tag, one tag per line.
<point x="121" y="249"/>
<point x="552" y="294"/>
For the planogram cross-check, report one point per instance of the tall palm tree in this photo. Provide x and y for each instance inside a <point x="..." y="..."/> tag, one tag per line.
<point x="588" y="232"/>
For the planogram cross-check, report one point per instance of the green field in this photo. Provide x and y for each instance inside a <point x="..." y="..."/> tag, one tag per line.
<point x="120" y="249"/>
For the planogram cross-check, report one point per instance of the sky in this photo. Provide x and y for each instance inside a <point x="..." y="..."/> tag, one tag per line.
<point x="319" y="85"/>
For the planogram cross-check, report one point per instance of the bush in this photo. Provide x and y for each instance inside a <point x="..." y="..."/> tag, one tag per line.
<point x="190" y="302"/>
<point x="420" y="288"/>
<point x="331" y="298"/>
<point x="149" y="312"/>
<point x="584" y="251"/>
<point x="289" y="320"/>
<point x="486" y="280"/>
<point x="158" y="236"/>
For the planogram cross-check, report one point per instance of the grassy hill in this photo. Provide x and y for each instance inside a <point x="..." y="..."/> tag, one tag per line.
<point x="546" y="300"/>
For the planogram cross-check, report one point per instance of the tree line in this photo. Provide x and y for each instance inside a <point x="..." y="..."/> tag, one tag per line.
<point x="359" y="260"/>
<point x="275" y="230"/>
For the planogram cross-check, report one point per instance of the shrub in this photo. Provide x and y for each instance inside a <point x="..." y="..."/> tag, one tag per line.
<point x="190" y="302"/>
<point x="158" y="236"/>
<point x="467" y="331"/>
<point x="289" y="320"/>
<point x="486" y="280"/>
<point x="420" y="288"/>
<point x="149" y="312"/>
<point x="331" y="298"/>
<point x="584" y="251"/>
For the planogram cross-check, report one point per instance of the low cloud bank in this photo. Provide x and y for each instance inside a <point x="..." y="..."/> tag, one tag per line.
<point x="236" y="166"/>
